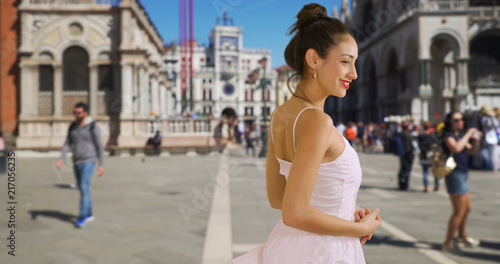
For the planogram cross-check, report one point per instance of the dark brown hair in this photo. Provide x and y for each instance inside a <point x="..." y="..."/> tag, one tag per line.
<point x="426" y="125"/>
<point x="314" y="29"/>
<point x="82" y="105"/>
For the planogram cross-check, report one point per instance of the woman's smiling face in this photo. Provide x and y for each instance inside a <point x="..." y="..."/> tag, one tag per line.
<point x="338" y="70"/>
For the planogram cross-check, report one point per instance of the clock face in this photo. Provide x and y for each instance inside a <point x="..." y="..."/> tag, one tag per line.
<point x="228" y="89"/>
<point x="231" y="41"/>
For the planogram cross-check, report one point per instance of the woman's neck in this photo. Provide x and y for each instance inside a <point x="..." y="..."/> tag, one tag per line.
<point x="309" y="95"/>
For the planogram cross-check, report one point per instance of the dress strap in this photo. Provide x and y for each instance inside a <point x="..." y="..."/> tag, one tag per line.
<point x="295" y="123"/>
<point x="271" y="125"/>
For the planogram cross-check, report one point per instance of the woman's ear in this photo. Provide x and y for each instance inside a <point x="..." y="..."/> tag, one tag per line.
<point x="312" y="59"/>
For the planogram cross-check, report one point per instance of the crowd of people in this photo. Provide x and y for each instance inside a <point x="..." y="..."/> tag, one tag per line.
<point x="379" y="138"/>
<point x="471" y="139"/>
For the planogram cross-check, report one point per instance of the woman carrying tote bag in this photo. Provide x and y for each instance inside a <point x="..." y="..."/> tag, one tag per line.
<point x="460" y="145"/>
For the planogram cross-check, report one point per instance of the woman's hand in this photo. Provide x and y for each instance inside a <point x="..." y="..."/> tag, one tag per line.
<point x="372" y="221"/>
<point x="472" y="133"/>
<point x="358" y="215"/>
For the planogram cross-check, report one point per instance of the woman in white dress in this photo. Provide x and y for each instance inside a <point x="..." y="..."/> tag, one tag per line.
<point x="312" y="173"/>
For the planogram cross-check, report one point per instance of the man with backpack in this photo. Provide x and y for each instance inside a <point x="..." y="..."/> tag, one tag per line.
<point x="84" y="136"/>
<point x="402" y="146"/>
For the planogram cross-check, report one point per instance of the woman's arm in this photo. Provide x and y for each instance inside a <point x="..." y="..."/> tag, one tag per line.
<point x="475" y="144"/>
<point x="314" y="134"/>
<point x="458" y="146"/>
<point x="275" y="182"/>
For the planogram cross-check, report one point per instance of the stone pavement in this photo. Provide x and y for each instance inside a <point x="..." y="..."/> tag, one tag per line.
<point x="177" y="209"/>
<point x="414" y="222"/>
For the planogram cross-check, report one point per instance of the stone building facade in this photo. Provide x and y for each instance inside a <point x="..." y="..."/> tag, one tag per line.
<point x="106" y="53"/>
<point x="226" y="76"/>
<point x="422" y="58"/>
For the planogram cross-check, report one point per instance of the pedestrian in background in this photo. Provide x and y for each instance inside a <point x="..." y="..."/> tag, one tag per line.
<point x="426" y="142"/>
<point x="221" y="131"/>
<point x="341" y="127"/>
<point x="157" y="140"/>
<point x="459" y="146"/>
<point x="236" y="131"/>
<point x="350" y="133"/>
<point x="226" y="133"/>
<point x="497" y="147"/>
<point x="406" y="160"/>
<point x="250" y="138"/>
<point x="84" y="136"/>
<point x="489" y="125"/>
<point x="360" y="136"/>
<point x="308" y="160"/>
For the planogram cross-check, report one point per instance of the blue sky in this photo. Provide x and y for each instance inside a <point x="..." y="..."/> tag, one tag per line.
<point x="264" y="22"/>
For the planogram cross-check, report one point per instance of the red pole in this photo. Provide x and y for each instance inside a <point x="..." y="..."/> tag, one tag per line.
<point x="181" y="42"/>
<point x="191" y="40"/>
<point x="184" y="38"/>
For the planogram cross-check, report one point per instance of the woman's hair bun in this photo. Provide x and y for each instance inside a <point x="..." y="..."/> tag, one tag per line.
<point x="314" y="29"/>
<point x="308" y="15"/>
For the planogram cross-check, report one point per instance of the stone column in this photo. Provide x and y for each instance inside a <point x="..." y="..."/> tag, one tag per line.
<point x="27" y="94"/>
<point x="168" y="103"/>
<point x="135" y="90"/>
<point x="163" y="95"/>
<point x="462" y="77"/>
<point x="126" y="24"/>
<point x="126" y="109"/>
<point x="425" y="110"/>
<point x="425" y="77"/>
<point x="446" y="77"/>
<point x="240" y="111"/>
<point x="35" y="73"/>
<point x="144" y="91"/>
<point x="216" y="82"/>
<point x="94" y="83"/>
<point x="416" y="109"/>
<point x="155" y="95"/>
<point x="58" y="89"/>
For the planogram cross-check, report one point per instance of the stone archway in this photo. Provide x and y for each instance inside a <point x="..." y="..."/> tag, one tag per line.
<point x="229" y="112"/>
<point x="443" y="76"/>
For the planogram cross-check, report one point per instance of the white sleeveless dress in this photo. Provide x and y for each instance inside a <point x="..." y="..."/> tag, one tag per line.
<point x="334" y="193"/>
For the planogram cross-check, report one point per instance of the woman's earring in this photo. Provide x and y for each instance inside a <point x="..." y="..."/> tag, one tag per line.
<point x="314" y="75"/>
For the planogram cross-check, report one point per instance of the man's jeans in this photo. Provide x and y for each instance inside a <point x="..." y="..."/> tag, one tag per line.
<point x="405" y="164"/>
<point x="83" y="173"/>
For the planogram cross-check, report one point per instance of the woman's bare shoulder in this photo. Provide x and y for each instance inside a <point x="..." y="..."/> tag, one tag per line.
<point x="315" y="122"/>
<point x="316" y="116"/>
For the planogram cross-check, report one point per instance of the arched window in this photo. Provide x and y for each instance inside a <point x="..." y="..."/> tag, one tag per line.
<point x="75" y="78"/>
<point x="76" y="70"/>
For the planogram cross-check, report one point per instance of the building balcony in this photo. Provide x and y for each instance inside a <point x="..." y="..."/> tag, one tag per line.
<point x="441" y="6"/>
<point x="484" y="13"/>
